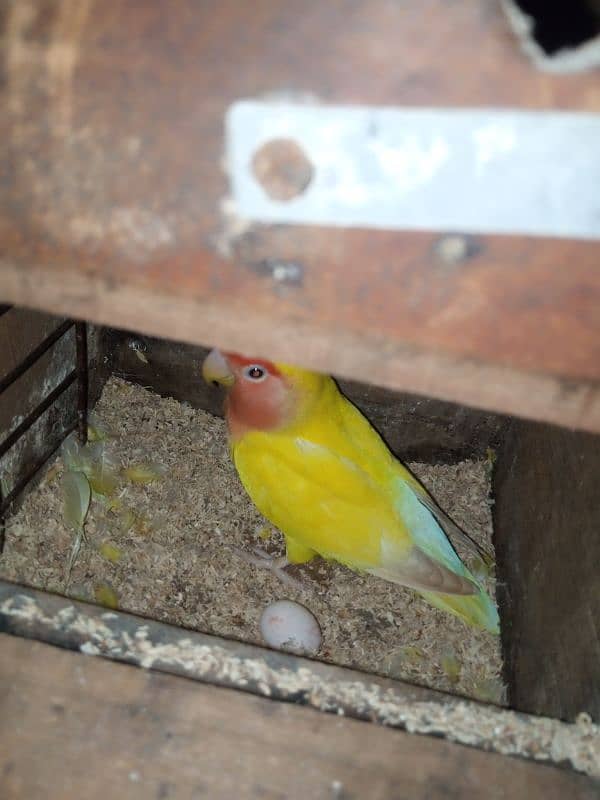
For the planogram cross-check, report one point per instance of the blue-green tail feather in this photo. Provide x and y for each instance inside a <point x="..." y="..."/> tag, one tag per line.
<point x="478" y="609"/>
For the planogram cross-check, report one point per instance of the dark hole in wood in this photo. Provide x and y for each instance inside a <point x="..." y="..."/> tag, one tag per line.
<point x="560" y="24"/>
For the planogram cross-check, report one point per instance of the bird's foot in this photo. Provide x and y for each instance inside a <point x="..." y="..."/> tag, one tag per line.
<point x="275" y="564"/>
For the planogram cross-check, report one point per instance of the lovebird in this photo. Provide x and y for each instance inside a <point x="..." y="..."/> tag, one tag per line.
<point x="316" y="468"/>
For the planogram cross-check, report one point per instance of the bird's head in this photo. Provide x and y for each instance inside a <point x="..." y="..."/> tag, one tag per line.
<point x="261" y="394"/>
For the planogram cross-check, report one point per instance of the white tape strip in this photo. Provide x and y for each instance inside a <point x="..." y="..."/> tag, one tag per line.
<point x="488" y="171"/>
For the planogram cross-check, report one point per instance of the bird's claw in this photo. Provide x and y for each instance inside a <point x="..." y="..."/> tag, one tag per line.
<point x="275" y="564"/>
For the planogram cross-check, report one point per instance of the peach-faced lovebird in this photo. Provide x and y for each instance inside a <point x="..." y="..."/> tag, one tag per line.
<point x="316" y="468"/>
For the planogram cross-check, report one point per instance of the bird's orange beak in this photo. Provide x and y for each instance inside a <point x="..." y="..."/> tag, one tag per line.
<point x="216" y="369"/>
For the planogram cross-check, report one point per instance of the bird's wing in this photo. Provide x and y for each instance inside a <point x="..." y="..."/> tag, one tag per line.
<point x="368" y="440"/>
<point x="448" y="524"/>
<point x="333" y="506"/>
<point x="322" y="500"/>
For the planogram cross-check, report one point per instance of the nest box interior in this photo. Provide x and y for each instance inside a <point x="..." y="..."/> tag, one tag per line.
<point x="169" y="537"/>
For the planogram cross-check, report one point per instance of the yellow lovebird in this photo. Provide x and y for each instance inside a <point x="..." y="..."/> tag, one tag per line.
<point x="316" y="468"/>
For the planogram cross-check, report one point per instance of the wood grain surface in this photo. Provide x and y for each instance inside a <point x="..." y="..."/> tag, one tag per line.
<point x="113" y="195"/>
<point x="74" y="726"/>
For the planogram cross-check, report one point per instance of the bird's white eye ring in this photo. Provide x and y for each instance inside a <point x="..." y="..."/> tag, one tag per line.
<point x="255" y="373"/>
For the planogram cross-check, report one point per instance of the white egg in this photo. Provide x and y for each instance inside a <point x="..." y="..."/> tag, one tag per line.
<point x="286" y="625"/>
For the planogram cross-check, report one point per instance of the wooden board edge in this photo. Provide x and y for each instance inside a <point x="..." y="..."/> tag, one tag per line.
<point x="280" y="676"/>
<point x="199" y="320"/>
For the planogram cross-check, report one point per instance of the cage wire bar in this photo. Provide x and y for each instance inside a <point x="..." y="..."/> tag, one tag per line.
<point x="79" y="374"/>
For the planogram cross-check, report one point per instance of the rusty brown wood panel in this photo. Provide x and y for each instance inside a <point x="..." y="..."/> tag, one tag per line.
<point x="74" y="726"/>
<point x="112" y="142"/>
<point x="186" y="318"/>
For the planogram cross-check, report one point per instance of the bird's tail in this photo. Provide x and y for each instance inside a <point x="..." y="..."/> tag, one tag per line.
<point x="478" y="610"/>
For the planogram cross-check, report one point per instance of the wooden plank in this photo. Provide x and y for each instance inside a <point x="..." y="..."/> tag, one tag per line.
<point x="548" y="551"/>
<point x="73" y="726"/>
<point x="574" y="403"/>
<point x="112" y="206"/>
<point x="21" y="331"/>
<point x="282" y="676"/>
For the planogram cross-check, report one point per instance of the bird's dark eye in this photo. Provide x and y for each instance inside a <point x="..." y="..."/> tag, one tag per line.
<point x="255" y="373"/>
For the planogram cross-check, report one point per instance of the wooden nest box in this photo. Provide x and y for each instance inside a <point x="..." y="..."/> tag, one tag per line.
<point x="404" y="195"/>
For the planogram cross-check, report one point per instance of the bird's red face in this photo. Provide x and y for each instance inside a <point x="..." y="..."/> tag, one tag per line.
<point x="258" y="393"/>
